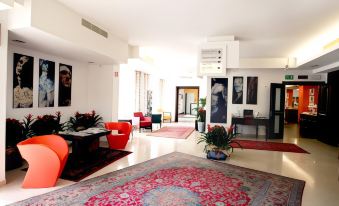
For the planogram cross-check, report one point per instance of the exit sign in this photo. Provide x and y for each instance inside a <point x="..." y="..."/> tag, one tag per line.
<point x="289" y="77"/>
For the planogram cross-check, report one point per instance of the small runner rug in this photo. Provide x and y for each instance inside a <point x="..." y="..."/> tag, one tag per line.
<point x="173" y="132"/>
<point x="178" y="179"/>
<point x="271" y="146"/>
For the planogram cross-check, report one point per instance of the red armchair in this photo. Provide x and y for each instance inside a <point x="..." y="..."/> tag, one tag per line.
<point x="46" y="156"/>
<point x="118" y="141"/>
<point x="145" y="122"/>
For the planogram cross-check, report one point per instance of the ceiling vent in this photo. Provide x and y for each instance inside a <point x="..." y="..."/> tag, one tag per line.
<point x="94" y="28"/>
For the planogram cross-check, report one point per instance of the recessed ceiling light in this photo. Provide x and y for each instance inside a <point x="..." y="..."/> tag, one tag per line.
<point x="91" y="62"/>
<point x="18" y="41"/>
<point x="316" y="65"/>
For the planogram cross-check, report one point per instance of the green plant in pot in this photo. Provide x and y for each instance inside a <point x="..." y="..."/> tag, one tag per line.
<point x="218" y="142"/>
<point x="201" y="119"/>
<point x="84" y="121"/>
<point x="201" y="115"/>
<point x="47" y="124"/>
<point x="14" y="134"/>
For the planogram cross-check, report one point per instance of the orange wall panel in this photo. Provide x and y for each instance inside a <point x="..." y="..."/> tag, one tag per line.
<point x="304" y="98"/>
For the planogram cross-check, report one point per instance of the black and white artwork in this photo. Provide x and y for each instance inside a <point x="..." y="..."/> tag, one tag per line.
<point x="22" y="81"/>
<point x="238" y="85"/>
<point x="46" y="83"/>
<point x="219" y="100"/>
<point x="65" y="85"/>
<point x="252" y="90"/>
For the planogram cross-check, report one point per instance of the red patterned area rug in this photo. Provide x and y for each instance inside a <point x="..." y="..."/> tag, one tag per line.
<point x="173" y="132"/>
<point x="178" y="179"/>
<point x="271" y="146"/>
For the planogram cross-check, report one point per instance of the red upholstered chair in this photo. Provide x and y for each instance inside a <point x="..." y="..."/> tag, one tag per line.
<point x="118" y="141"/>
<point x="46" y="156"/>
<point x="145" y="122"/>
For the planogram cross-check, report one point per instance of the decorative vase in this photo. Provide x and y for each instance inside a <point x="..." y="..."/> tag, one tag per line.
<point x="216" y="155"/>
<point x="201" y="126"/>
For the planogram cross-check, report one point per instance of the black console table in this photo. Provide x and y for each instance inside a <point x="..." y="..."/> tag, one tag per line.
<point x="252" y="121"/>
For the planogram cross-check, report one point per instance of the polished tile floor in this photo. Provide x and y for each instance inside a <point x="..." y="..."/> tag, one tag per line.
<point x="320" y="169"/>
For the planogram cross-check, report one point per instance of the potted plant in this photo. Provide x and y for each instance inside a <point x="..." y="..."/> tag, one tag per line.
<point x="218" y="142"/>
<point x="14" y="135"/>
<point x="84" y="121"/>
<point x="201" y="115"/>
<point x="47" y="124"/>
<point x="27" y="131"/>
<point x="201" y="119"/>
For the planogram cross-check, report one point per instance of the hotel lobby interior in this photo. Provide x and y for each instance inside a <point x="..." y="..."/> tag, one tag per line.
<point x="159" y="102"/>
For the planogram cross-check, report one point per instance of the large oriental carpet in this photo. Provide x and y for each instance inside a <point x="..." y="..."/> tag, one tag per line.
<point x="178" y="179"/>
<point x="270" y="146"/>
<point x="173" y="132"/>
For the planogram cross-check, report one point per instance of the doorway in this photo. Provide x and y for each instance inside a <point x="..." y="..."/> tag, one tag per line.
<point x="186" y="103"/>
<point x="301" y="107"/>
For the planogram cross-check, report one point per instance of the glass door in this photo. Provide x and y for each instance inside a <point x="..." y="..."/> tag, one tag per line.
<point x="277" y="100"/>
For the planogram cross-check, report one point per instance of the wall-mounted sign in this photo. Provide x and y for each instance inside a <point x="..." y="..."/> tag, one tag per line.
<point x="212" y="59"/>
<point x="289" y="77"/>
<point x="302" y="76"/>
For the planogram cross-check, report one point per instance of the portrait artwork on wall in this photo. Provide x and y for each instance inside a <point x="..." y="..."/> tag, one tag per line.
<point x="219" y="100"/>
<point x="22" y="81"/>
<point x="46" y="83"/>
<point x="252" y="90"/>
<point x="65" y="85"/>
<point x="311" y="91"/>
<point x="311" y="100"/>
<point x="238" y="85"/>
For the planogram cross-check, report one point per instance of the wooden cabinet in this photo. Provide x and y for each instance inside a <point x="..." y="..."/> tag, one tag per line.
<point x="291" y="115"/>
<point x="309" y="126"/>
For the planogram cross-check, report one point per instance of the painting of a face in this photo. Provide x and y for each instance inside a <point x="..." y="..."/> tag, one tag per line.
<point x="22" y="81"/>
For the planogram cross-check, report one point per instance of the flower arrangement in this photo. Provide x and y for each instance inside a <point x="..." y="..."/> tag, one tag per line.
<point x="201" y="115"/>
<point x="47" y="124"/>
<point x="217" y="140"/>
<point x="84" y="121"/>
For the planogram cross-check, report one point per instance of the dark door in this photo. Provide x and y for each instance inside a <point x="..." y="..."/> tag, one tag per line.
<point x="277" y="101"/>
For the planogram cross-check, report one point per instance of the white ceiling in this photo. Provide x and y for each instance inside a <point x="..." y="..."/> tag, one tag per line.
<point x="265" y="28"/>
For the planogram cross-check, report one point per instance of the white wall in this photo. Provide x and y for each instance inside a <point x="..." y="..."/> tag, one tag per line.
<point x="3" y="87"/>
<point x="102" y="96"/>
<point x="126" y="92"/>
<point x="79" y="86"/>
<point x="265" y="78"/>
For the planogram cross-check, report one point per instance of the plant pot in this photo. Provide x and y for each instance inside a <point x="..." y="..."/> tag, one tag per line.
<point x="201" y="126"/>
<point x="216" y="155"/>
<point x="13" y="158"/>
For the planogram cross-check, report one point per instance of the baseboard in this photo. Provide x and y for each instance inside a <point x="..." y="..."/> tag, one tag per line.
<point x="2" y="182"/>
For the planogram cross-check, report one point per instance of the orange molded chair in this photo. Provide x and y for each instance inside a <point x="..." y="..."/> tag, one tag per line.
<point x="145" y="122"/>
<point x="118" y="141"/>
<point x="46" y="156"/>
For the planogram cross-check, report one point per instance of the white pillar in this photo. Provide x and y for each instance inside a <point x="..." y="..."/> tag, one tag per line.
<point x="3" y="92"/>
<point x="115" y="93"/>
